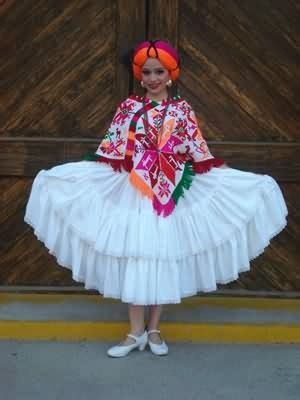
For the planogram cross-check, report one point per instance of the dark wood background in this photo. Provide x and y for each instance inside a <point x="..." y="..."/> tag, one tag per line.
<point x="61" y="81"/>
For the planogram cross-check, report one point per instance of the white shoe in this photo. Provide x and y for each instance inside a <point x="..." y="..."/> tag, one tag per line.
<point x="158" y="349"/>
<point x="123" y="350"/>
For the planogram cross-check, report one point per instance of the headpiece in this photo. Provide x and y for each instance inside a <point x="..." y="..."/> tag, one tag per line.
<point x="159" y="49"/>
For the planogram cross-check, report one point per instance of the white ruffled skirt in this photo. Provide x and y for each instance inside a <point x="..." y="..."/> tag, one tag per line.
<point x="101" y="228"/>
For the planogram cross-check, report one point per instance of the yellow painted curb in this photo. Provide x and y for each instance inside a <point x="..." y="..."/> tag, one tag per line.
<point x="196" y="301"/>
<point x="176" y="332"/>
<point x="232" y="333"/>
<point x="244" y="302"/>
<point x="52" y="298"/>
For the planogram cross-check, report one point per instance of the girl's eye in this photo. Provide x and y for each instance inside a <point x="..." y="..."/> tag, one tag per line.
<point x="159" y="72"/>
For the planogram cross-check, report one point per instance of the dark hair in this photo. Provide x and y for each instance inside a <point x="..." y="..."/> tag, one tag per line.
<point x="126" y="57"/>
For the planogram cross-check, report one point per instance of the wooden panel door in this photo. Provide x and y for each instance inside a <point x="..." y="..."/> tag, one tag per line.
<point x="61" y="81"/>
<point x="240" y="72"/>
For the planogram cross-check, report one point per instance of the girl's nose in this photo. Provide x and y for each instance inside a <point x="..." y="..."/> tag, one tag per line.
<point x="153" y="78"/>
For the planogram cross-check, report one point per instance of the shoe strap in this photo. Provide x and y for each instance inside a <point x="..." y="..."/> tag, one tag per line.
<point x="134" y="336"/>
<point x="154" y="331"/>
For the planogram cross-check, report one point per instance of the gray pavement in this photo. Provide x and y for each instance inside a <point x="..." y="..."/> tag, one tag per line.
<point x="81" y="370"/>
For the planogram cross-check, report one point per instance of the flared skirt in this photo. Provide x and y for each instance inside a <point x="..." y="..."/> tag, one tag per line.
<point x="100" y="227"/>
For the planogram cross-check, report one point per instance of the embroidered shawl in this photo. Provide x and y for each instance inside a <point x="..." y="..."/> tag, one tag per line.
<point x="159" y="167"/>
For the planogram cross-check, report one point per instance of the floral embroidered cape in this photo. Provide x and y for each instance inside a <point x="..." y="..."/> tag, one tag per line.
<point x="159" y="167"/>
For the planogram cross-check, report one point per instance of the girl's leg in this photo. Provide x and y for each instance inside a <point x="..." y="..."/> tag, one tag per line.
<point x="153" y="323"/>
<point x="137" y="324"/>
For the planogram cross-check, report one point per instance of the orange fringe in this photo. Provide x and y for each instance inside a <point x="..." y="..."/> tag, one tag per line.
<point x="138" y="182"/>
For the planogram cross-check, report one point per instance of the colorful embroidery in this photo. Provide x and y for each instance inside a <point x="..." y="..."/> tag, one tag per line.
<point x="160" y="167"/>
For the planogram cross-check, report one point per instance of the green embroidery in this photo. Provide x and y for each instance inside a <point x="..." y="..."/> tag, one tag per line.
<point x="185" y="182"/>
<point x="90" y="157"/>
<point x="109" y="134"/>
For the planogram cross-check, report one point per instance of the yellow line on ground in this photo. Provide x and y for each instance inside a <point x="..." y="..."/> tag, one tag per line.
<point x="51" y="298"/>
<point x="233" y="333"/>
<point x="177" y="332"/>
<point x="244" y="302"/>
<point x="196" y="301"/>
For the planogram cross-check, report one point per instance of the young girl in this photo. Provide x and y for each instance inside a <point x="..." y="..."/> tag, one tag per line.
<point x="155" y="217"/>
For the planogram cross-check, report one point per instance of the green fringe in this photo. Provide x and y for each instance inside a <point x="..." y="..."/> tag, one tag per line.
<point x="185" y="182"/>
<point x="90" y="157"/>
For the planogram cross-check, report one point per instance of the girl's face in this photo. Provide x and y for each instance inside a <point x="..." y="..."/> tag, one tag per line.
<point x="155" y="76"/>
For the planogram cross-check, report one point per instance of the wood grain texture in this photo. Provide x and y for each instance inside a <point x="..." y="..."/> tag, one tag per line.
<point x="163" y="20"/>
<point x="61" y="75"/>
<point x="240" y="72"/>
<point x="132" y="28"/>
<point x="23" y="258"/>
<point x="26" y="157"/>
<point x="61" y="81"/>
<point x="240" y="67"/>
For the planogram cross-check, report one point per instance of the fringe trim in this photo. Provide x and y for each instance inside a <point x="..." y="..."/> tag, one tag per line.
<point x="185" y="182"/>
<point x="205" y="166"/>
<point x="117" y="165"/>
<point x="163" y="209"/>
<point x="190" y="169"/>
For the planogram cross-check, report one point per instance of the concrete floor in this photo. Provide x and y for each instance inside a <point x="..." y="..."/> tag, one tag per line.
<point x="81" y="370"/>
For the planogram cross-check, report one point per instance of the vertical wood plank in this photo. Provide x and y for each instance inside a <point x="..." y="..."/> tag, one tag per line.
<point x="131" y="27"/>
<point x="163" y="20"/>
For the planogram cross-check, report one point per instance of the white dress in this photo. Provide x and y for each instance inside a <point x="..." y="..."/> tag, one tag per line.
<point x="97" y="224"/>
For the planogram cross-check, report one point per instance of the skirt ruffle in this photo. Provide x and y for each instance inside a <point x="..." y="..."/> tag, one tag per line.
<point x="100" y="227"/>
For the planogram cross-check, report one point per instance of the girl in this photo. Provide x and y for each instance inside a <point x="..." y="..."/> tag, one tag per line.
<point x="155" y="217"/>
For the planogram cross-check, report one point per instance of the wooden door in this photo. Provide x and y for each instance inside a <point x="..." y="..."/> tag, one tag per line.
<point x="61" y="81"/>
<point x="241" y="73"/>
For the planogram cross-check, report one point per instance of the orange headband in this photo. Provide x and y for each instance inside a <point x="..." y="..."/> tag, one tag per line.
<point x="159" y="49"/>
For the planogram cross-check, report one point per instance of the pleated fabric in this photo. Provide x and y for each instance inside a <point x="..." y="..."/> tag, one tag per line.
<point x="101" y="228"/>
